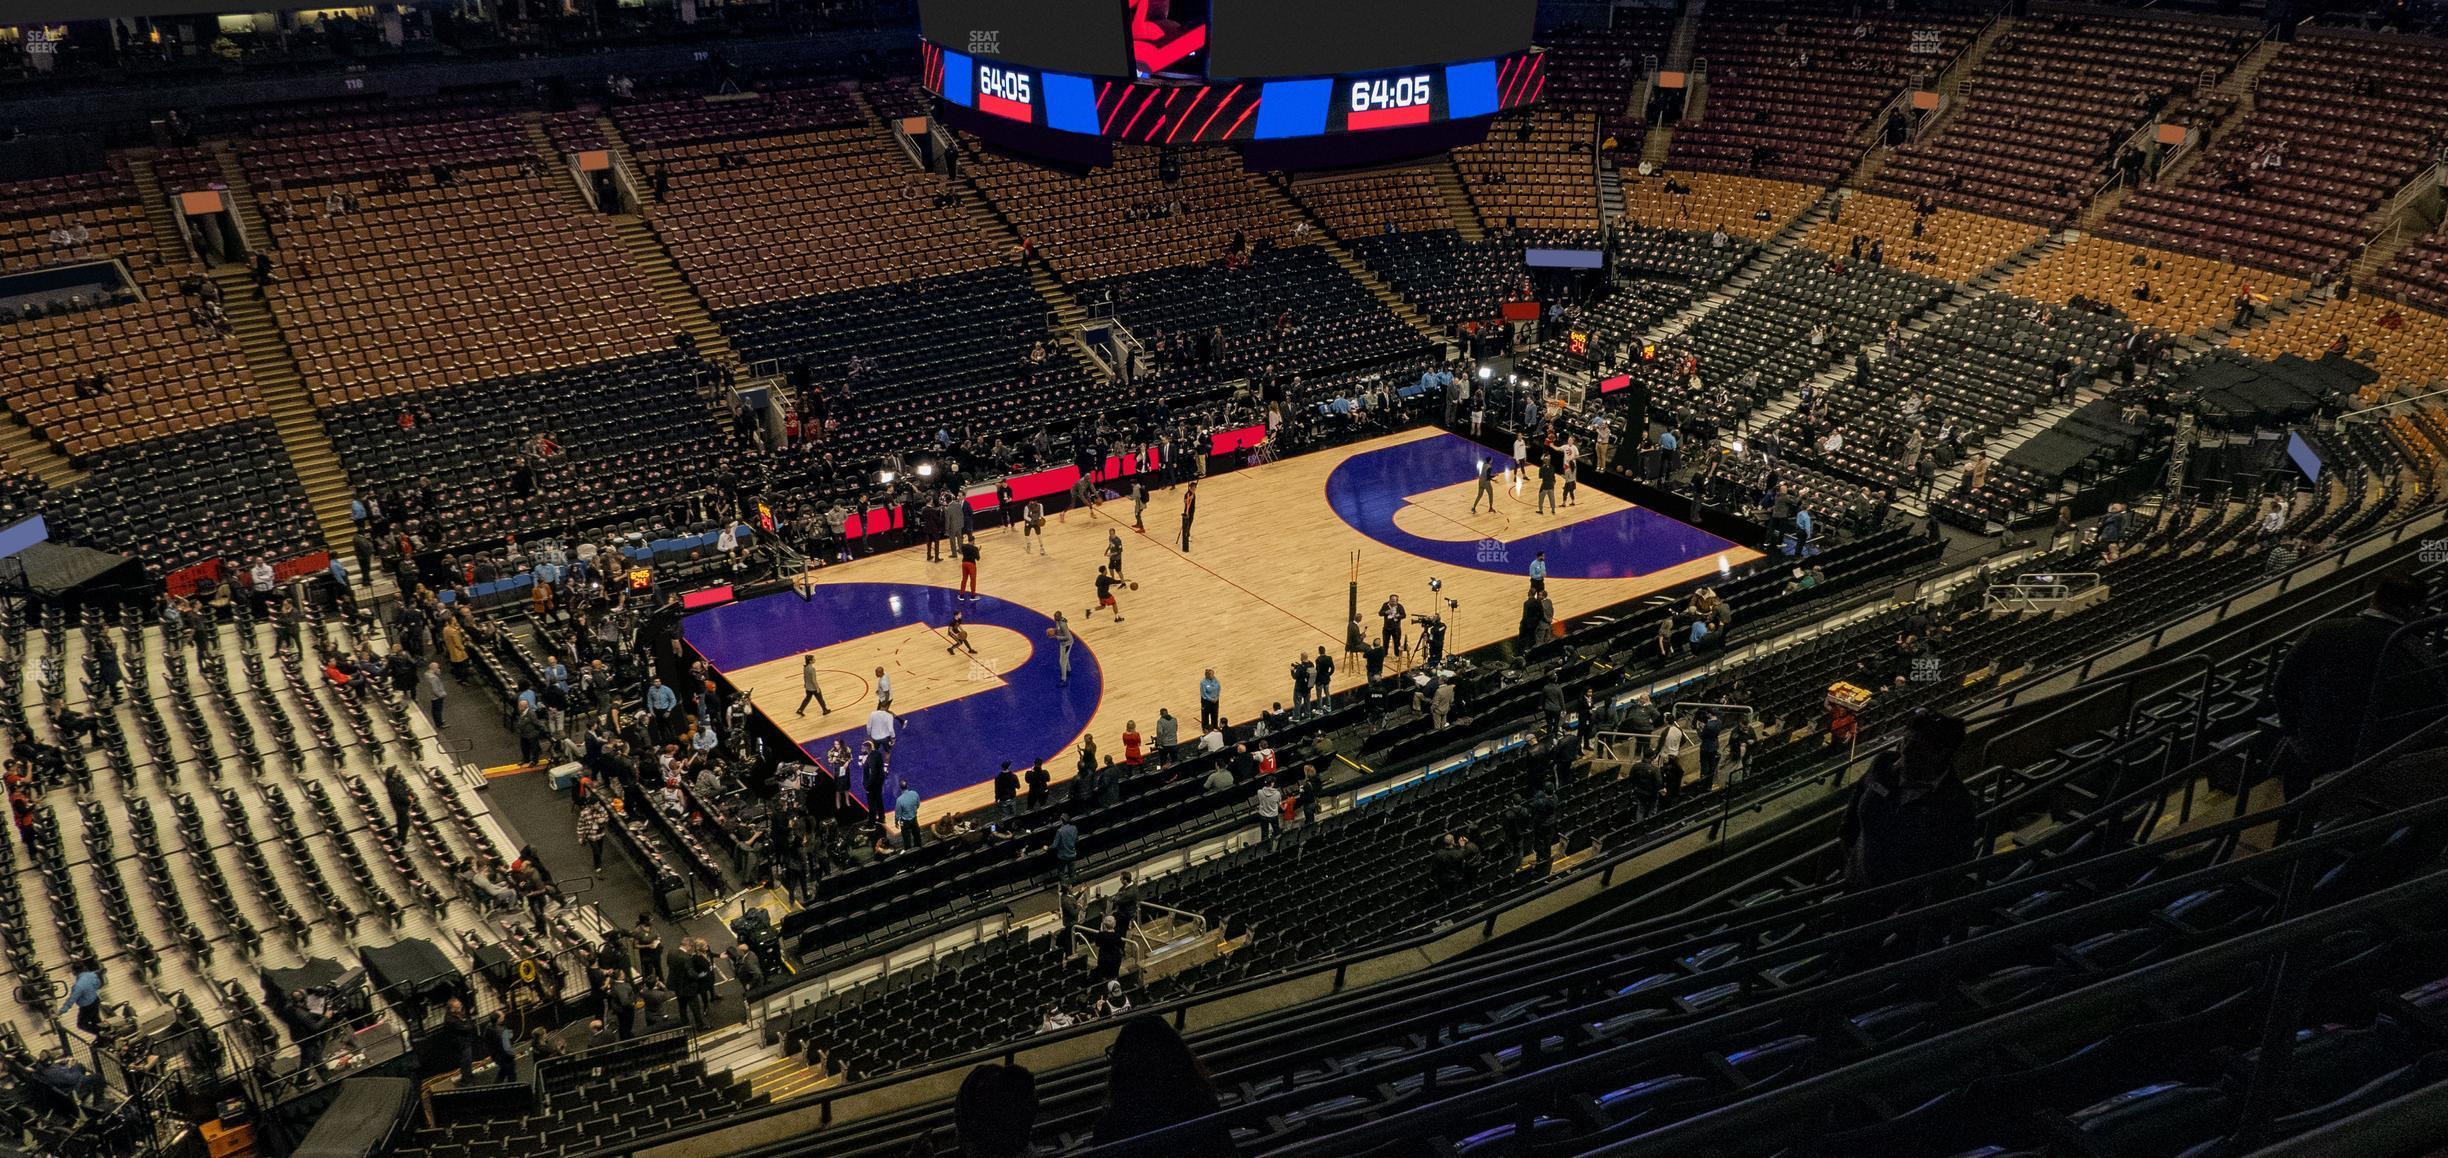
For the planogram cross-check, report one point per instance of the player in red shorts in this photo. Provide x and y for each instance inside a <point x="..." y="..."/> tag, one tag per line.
<point x="968" y="560"/>
<point x="1105" y="583"/>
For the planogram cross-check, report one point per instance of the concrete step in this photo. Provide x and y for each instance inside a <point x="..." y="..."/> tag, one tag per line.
<point x="1459" y="205"/>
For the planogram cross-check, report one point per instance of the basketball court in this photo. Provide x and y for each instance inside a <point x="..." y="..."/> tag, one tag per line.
<point x="1273" y="552"/>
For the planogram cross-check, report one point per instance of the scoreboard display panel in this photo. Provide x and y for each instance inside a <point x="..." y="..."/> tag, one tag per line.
<point x="1090" y="37"/>
<point x="1330" y="84"/>
<point x="1279" y="38"/>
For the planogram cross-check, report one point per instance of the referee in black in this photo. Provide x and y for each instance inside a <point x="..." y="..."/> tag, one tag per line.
<point x="1189" y="511"/>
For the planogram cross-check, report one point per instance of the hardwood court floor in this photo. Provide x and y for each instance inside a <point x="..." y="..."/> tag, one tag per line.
<point x="1266" y="580"/>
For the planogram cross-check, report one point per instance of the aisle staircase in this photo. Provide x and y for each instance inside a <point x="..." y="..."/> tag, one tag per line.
<point x="672" y="291"/>
<point x="2237" y="85"/>
<point x="273" y="366"/>
<point x="1458" y="203"/>
<point x="169" y="236"/>
<point x="23" y="450"/>
<point x="243" y="206"/>
<point x="1949" y="85"/>
<point x="1951" y="82"/>
<point x="1400" y="306"/>
<point x="618" y="146"/>
<point x="1656" y="145"/>
<point x="1973" y="289"/>
<point x="2103" y="205"/>
<point x="1067" y="315"/>
<point x="1686" y="37"/>
<point x="1774" y="247"/>
<point x="556" y="170"/>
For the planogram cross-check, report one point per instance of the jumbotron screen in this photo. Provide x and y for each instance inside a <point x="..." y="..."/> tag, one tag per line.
<point x="1088" y="37"/>
<point x="1258" y="39"/>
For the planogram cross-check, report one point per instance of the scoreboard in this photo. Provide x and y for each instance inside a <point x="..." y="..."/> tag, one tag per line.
<point x="1428" y="84"/>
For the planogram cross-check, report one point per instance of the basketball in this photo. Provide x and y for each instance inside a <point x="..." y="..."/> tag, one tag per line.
<point x="1134" y="586"/>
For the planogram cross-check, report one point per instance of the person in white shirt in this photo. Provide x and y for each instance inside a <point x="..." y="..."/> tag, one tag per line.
<point x="883" y="689"/>
<point x="880" y="726"/>
<point x="1213" y="741"/>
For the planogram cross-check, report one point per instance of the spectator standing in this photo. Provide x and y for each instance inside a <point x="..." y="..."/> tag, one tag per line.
<point x="1911" y="814"/>
<point x="436" y="692"/>
<point x="85" y="996"/>
<point x="1211" y="697"/>
<point x="403" y="801"/>
<point x="593" y="819"/>
<point x="905" y="813"/>
<point x="1270" y="811"/>
<point x="2343" y="691"/>
<point x="1039" y="780"/>
<point x="1066" y="849"/>
<point x="1007" y="792"/>
<point x="1156" y="1083"/>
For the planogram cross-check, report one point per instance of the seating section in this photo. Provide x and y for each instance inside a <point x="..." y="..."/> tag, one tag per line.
<point x="634" y="434"/>
<point x="219" y="812"/>
<point x="108" y="369"/>
<point x="325" y="142"/>
<point x="2187" y="294"/>
<point x="1658" y="273"/>
<point x="221" y="493"/>
<point x="1704" y="201"/>
<point x="2338" y="125"/>
<point x="1288" y="311"/>
<point x="605" y="1096"/>
<point x="1758" y="345"/>
<point x="1598" y="70"/>
<point x="2097" y="443"/>
<point x="1791" y="86"/>
<point x="1948" y="244"/>
<point x="1126" y="218"/>
<point x="2418" y="275"/>
<point x="1534" y="171"/>
<point x="429" y="282"/>
<point x="2051" y="100"/>
<point x="1366" y="204"/>
<point x="793" y="195"/>
<point x="949" y="350"/>
<point x="1449" y="279"/>
<point x="2409" y="347"/>
<point x="1978" y="372"/>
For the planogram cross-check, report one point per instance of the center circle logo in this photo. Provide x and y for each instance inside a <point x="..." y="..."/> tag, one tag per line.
<point x="1005" y="701"/>
<point x="1370" y="490"/>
